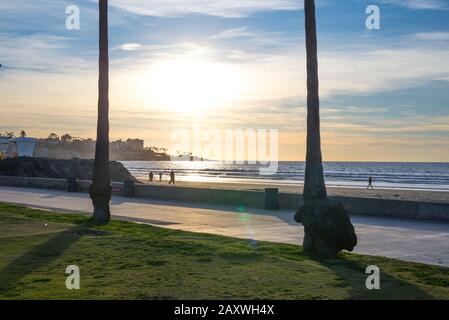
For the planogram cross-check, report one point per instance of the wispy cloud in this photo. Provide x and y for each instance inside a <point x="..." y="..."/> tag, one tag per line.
<point x="258" y="40"/>
<point x="384" y="69"/>
<point x="39" y="52"/>
<point x="130" y="46"/>
<point x="242" y="32"/>
<point x="222" y="8"/>
<point x="431" y="36"/>
<point x="420" y="4"/>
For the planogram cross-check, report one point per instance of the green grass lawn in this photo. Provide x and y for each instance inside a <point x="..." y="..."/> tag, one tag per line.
<point x="125" y="260"/>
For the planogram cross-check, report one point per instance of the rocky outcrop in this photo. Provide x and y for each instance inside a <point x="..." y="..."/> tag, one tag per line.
<point x="59" y="169"/>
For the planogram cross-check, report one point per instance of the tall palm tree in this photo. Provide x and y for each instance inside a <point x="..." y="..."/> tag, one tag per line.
<point x="314" y="187"/>
<point x="100" y="189"/>
<point x="327" y="227"/>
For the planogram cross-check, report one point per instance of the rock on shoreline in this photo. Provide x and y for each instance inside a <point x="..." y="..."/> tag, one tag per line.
<point x="59" y="169"/>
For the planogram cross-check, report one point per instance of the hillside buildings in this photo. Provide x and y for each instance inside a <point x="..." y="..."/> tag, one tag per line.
<point x="67" y="147"/>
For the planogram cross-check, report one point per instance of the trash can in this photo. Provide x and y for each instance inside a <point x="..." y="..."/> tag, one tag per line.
<point x="71" y="185"/>
<point x="271" y="199"/>
<point x="128" y="188"/>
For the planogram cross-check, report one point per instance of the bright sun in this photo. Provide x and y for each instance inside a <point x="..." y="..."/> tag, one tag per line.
<point x="190" y="85"/>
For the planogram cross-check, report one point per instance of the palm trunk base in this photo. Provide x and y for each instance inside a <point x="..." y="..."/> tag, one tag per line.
<point x="101" y="196"/>
<point x="327" y="229"/>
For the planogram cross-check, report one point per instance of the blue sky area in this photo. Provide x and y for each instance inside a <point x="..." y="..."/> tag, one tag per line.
<point x="384" y="93"/>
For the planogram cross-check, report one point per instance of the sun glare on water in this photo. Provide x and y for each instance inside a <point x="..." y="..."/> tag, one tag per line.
<point x="189" y="85"/>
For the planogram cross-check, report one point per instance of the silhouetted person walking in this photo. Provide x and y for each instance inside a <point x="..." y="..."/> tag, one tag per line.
<point x="370" y="183"/>
<point x="151" y="176"/>
<point x="160" y="176"/>
<point x="172" y="177"/>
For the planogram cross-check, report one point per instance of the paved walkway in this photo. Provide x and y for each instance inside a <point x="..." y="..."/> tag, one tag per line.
<point x="420" y="241"/>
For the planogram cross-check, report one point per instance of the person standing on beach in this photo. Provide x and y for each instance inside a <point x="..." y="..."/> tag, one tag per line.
<point x="172" y="177"/>
<point x="370" y="183"/>
<point x="151" y="176"/>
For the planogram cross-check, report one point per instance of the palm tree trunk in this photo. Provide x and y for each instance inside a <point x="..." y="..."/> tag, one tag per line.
<point x="100" y="189"/>
<point x="327" y="226"/>
<point x="314" y="187"/>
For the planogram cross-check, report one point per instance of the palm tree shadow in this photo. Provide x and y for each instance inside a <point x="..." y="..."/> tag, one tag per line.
<point x="41" y="255"/>
<point x="352" y="274"/>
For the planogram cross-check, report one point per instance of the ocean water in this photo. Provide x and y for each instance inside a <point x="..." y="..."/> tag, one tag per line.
<point x="397" y="175"/>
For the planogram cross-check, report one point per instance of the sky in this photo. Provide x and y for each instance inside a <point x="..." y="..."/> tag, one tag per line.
<point x="234" y="64"/>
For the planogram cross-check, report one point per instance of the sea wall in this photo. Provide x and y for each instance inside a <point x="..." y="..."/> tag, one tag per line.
<point x="244" y="198"/>
<point x="58" y="169"/>
<point x="41" y="183"/>
<point x="217" y="196"/>
<point x="379" y="207"/>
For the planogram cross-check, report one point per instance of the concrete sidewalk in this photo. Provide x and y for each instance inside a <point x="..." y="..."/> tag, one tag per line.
<point x="419" y="241"/>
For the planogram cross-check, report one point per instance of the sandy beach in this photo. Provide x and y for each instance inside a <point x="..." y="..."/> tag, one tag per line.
<point x="398" y="194"/>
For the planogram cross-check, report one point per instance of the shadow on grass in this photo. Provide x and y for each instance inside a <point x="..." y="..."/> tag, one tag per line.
<point x="41" y="255"/>
<point x="231" y="208"/>
<point x="352" y="274"/>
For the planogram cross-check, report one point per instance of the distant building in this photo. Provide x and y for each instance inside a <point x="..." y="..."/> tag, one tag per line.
<point x="118" y="145"/>
<point x="53" y="138"/>
<point x="135" y="144"/>
<point x="4" y="146"/>
<point x="86" y="143"/>
<point x="68" y="147"/>
<point x="17" y="147"/>
<point x="23" y="147"/>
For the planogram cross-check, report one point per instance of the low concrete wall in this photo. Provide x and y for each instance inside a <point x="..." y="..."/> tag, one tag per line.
<point x="83" y="186"/>
<point x="41" y="183"/>
<point x="396" y="208"/>
<point x="247" y="198"/>
<point x="231" y="197"/>
<point x="54" y="184"/>
<point x="379" y="207"/>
